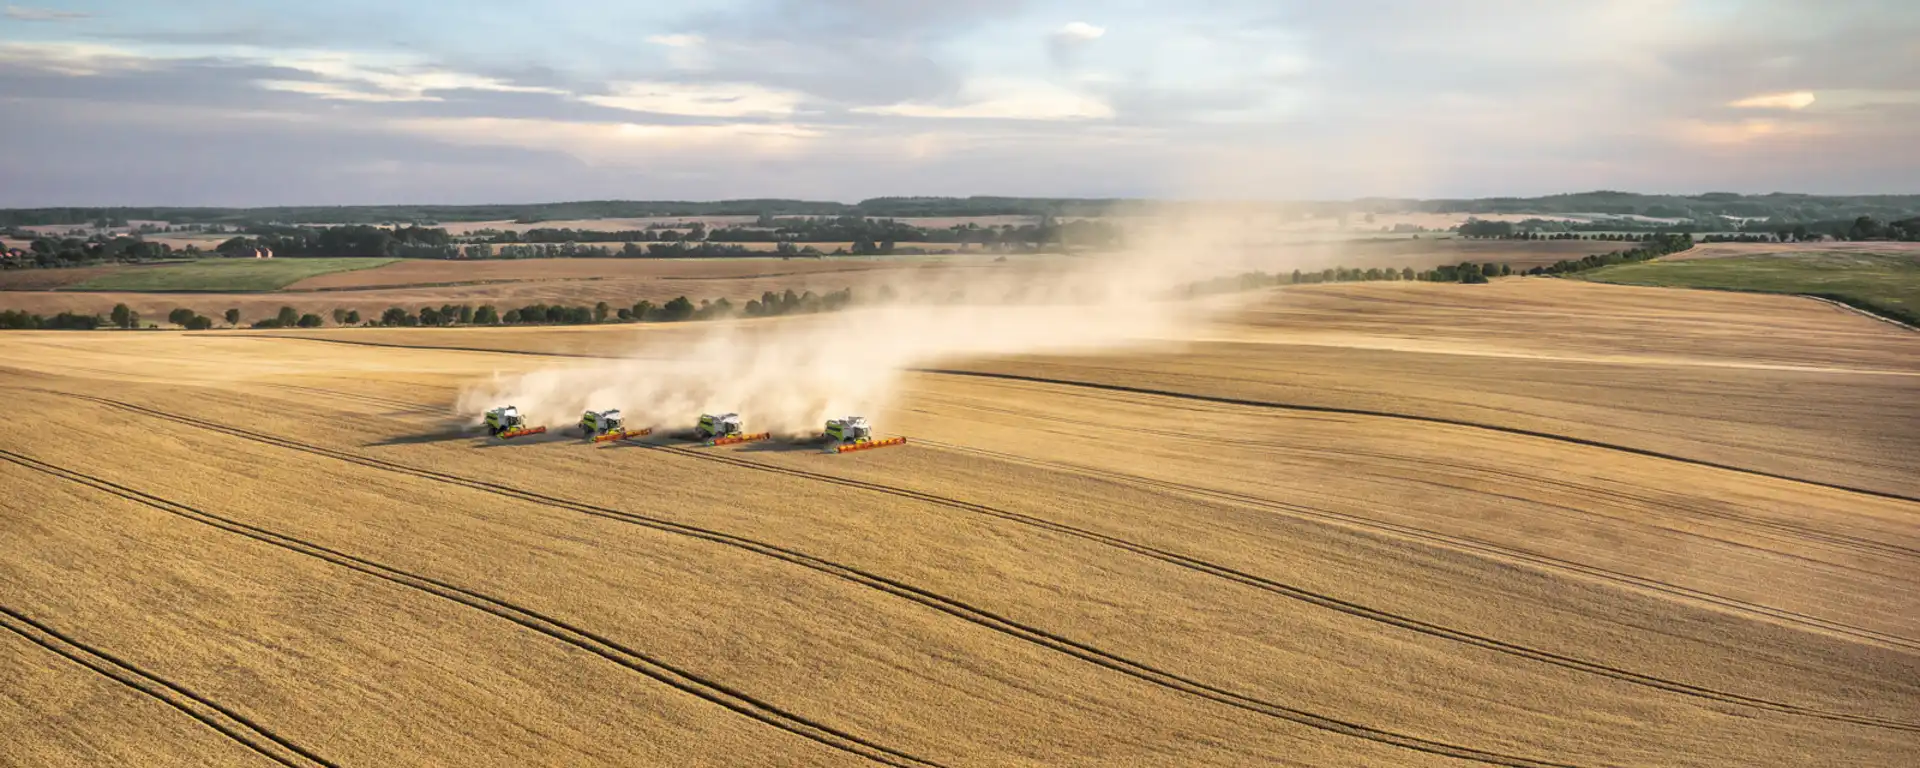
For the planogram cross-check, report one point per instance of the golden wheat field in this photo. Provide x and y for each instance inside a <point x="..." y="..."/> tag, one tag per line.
<point x="1532" y="523"/>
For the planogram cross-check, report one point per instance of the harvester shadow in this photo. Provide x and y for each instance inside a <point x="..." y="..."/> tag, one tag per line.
<point x="784" y="446"/>
<point x="538" y="438"/>
<point x="449" y="435"/>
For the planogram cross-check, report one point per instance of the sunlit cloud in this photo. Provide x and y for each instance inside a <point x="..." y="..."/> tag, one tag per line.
<point x="676" y="41"/>
<point x="724" y="100"/>
<point x="75" y="59"/>
<point x="1793" y="100"/>
<point x="598" y="142"/>
<point x="1006" y="100"/>
<point x="1743" y="132"/>
<point x="20" y="13"/>
<point x="1079" y="30"/>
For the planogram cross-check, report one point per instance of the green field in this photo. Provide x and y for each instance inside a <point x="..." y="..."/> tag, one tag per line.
<point x="1884" y="284"/>
<point x="223" y="274"/>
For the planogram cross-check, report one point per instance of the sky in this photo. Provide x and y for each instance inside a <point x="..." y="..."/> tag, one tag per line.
<point x="250" y="102"/>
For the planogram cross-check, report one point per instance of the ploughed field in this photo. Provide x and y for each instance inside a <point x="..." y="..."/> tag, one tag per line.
<point x="1530" y="523"/>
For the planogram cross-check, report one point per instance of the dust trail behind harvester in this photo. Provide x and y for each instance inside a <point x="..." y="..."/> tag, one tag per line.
<point x="790" y="375"/>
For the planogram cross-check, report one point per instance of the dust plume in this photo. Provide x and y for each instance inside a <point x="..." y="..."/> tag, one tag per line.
<point x="789" y="375"/>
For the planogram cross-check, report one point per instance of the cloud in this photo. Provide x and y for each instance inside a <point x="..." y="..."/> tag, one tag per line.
<point x="19" y="13"/>
<point x="1794" y="100"/>
<point x="618" y="143"/>
<point x="1066" y="41"/>
<point x="718" y="100"/>
<point x="676" y="41"/>
<point x="75" y="59"/>
<point x="1005" y="100"/>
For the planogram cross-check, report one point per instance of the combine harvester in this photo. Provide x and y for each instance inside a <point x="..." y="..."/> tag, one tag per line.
<point x="853" y="434"/>
<point x="602" y="426"/>
<point x="505" y="422"/>
<point x="725" y="429"/>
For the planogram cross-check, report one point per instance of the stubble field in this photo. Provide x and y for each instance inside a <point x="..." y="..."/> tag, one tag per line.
<point x="1531" y="523"/>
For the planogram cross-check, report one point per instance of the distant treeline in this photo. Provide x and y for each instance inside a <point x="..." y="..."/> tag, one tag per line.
<point x="680" y="309"/>
<point x="1857" y="228"/>
<point x="1465" y="272"/>
<point x="1781" y="206"/>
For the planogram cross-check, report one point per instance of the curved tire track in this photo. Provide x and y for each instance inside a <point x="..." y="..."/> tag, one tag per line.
<point x="934" y="601"/>
<point x="1839" y="541"/>
<point x="1316" y="598"/>
<point x="1484" y="547"/>
<point x="681" y="680"/>
<point x="1580" y="441"/>
<point x="227" y="722"/>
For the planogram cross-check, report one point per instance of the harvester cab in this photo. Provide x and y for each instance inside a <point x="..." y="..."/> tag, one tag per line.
<point x="854" y="434"/>
<point x="506" y="421"/>
<point x="725" y="429"/>
<point x="720" y="425"/>
<point x="601" y="426"/>
<point x="851" y="429"/>
<point x="600" y="422"/>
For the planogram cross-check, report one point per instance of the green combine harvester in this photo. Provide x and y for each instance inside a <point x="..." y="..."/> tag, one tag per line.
<point x="505" y="422"/>
<point x="601" y="426"/>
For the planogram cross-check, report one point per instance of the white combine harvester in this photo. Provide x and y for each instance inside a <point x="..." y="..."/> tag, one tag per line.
<point x="725" y="429"/>
<point x="853" y="433"/>
<point x="506" y="422"/>
<point x="601" y="426"/>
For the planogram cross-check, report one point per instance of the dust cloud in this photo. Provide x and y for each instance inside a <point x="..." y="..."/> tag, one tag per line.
<point x="789" y="375"/>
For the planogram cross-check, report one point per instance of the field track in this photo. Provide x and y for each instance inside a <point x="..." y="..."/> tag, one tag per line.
<point x="228" y="723"/>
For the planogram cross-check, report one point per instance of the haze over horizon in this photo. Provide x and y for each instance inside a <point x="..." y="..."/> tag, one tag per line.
<point x="113" y="102"/>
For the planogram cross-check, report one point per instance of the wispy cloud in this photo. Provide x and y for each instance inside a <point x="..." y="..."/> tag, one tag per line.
<point x="676" y="40"/>
<point x="20" y="13"/>
<point x="1794" y="100"/>
<point x="697" y="100"/>
<point x="1005" y="100"/>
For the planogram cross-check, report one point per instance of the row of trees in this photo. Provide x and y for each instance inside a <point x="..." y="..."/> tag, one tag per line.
<point x="1660" y="246"/>
<point x="48" y="252"/>
<point x="16" y="320"/>
<point x="1465" y="272"/>
<point x="679" y="309"/>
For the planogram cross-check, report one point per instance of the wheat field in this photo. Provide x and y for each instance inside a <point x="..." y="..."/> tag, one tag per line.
<point x="1533" y="523"/>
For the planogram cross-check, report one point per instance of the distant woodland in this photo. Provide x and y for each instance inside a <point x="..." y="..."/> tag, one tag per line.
<point x="1702" y="208"/>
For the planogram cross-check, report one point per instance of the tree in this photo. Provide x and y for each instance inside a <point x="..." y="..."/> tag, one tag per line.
<point x="600" y="312"/>
<point x="180" y="316"/>
<point x="394" y="316"/>
<point x="233" y="317"/>
<point x="353" y="317"/>
<point x="1406" y="273"/>
<point x="339" y="316"/>
<point x="198" y="323"/>
<point x="678" y="309"/>
<point x="512" y="317"/>
<point x="624" y="314"/>
<point x="288" y="318"/>
<point x="429" y="316"/>
<point x="124" y="317"/>
<point x="642" y="310"/>
<point x="310" y="320"/>
<point x="465" y="314"/>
